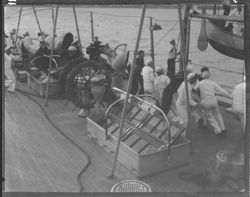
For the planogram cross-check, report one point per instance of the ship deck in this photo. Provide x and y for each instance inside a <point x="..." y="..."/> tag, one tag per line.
<point x="40" y="158"/>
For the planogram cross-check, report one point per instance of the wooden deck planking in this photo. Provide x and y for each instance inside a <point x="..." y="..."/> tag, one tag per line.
<point x="95" y="179"/>
<point x="40" y="155"/>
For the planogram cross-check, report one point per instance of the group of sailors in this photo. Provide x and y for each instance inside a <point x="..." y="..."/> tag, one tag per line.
<point x="15" y="52"/>
<point x="169" y="89"/>
<point x="236" y="28"/>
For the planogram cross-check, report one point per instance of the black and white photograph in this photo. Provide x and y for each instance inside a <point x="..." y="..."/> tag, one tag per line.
<point x="125" y="98"/>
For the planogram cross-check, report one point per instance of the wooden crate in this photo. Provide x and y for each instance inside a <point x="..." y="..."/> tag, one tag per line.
<point x="21" y="75"/>
<point x="142" y="164"/>
<point x="40" y="88"/>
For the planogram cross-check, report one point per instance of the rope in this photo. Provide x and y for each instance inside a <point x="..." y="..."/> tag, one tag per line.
<point x="230" y="71"/>
<point x="29" y="13"/>
<point x="64" y="135"/>
<point x="164" y="35"/>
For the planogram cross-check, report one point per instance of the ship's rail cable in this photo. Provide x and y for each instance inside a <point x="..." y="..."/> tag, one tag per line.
<point x="220" y="69"/>
<point x="29" y="13"/>
<point x="64" y="135"/>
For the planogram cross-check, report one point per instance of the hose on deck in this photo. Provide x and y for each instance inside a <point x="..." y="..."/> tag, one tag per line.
<point x="28" y="95"/>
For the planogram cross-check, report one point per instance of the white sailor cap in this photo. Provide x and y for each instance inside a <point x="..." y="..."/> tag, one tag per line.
<point x="72" y="48"/>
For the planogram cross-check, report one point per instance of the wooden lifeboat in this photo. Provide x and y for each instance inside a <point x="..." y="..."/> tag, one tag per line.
<point x="224" y="42"/>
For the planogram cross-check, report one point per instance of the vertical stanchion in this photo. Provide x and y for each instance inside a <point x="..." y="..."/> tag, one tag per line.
<point x="18" y="24"/>
<point x="77" y="29"/>
<point x="185" y="75"/>
<point x="247" y="72"/>
<point x="152" y="39"/>
<point x="92" y="26"/>
<point x="53" y="16"/>
<point x="37" y="21"/>
<point x="128" y="89"/>
<point x="51" y="56"/>
<point x="187" y="40"/>
<point x="214" y="9"/>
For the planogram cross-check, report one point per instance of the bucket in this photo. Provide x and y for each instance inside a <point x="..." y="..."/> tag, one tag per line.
<point x="230" y="163"/>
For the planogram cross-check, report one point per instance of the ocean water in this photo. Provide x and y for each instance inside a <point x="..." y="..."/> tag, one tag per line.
<point x="116" y="25"/>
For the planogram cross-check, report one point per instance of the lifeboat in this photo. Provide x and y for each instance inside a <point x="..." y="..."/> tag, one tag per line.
<point x="223" y="41"/>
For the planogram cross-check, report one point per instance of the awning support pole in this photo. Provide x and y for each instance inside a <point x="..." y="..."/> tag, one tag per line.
<point x="18" y="24"/>
<point x="128" y="89"/>
<point x="37" y="21"/>
<point x="92" y="25"/>
<point x="183" y="55"/>
<point x="51" y="55"/>
<point x="53" y="16"/>
<point x="247" y="72"/>
<point x="152" y="39"/>
<point x="77" y="29"/>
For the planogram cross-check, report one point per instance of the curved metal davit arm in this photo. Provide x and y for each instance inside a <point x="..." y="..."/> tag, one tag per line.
<point x="140" y="101"/>
<point x="119" y="45"/>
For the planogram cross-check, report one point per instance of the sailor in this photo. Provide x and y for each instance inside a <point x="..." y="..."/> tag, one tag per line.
<point x="237" y="27"/>
<point x="43" y="50"/>
<point x="226" y="7"/>
<point x="10" y="40"/>
<point x="148" y="75"/>
<point x="209" y="102"/>
<point x="9" y="73"/>
<point x="172" y="54"/>
<point x="160" y="83"/>
<point x="137" y="81"/>
<point x="72" y="52"/>
<point x="170" y="93"/>
<point x="181" y="103"/>
<point x="239" y="101"/>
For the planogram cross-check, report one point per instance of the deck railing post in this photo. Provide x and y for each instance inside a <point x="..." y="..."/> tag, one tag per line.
<point x="51" y="56"/>
<point x="128" y="90"/>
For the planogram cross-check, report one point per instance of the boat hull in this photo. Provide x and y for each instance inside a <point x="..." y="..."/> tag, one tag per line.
<point x="224" y="42"/>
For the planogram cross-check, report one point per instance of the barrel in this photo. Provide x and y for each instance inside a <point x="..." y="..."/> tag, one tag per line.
<point x="230" y="163"/>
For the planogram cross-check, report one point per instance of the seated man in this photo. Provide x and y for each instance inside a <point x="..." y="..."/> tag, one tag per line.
<point x="43" y="50"/>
